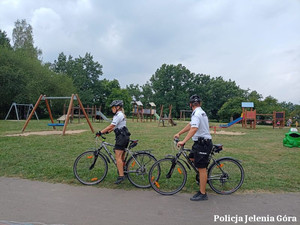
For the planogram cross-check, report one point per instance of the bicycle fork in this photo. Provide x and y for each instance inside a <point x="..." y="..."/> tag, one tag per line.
<point x="95" y="160"/>
<point x="169" y="174"/>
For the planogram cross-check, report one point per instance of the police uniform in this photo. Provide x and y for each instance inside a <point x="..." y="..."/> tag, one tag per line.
<point x="202" y="139"/>
<point x="121" y="131"/>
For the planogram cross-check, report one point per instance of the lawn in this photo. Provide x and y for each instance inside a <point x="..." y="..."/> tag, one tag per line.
<point x="269" y="166"/>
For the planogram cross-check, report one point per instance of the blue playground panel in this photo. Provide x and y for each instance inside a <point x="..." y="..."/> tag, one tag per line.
<point x="56" y="124"/>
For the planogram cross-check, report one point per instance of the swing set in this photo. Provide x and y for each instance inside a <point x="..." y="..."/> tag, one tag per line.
<point x="45" y="98"/>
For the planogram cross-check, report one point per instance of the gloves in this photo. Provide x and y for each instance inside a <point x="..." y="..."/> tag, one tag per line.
<point x="99" y="133"/>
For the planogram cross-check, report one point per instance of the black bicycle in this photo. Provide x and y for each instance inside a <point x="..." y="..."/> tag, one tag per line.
<point x="168" y="176"/>
<point x="91" y="167"/>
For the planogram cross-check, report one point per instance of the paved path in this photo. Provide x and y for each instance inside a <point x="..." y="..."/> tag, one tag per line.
<point x="33" y="202"/>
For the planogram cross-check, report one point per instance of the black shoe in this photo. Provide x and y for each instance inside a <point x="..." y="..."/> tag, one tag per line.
<point x="199" y="197"/>
<point x="120" y="180"/>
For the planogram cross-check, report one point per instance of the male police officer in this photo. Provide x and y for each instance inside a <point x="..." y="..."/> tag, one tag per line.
<point x="198" y="130"/>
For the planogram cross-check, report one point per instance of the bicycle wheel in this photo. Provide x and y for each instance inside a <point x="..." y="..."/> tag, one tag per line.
<point x="138" y="168"/>
<point x="225" y="176"/>
<point x="90" y="168"/>
<point x="167" y="177"/>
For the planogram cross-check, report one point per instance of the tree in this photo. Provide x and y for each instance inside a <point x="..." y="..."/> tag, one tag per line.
<point x="84" y="72"/>
<point x="104" y="91"/>
<point x="254" y="96"/>
<point x="295" y="114"/>
<point x="268" y="105"/>
<point x="134" y="91"/>
<point x="4" y="40"/>
<point x="215" y="92"/>
<point x="170" y="85"/>
<point x="23" y="39"/>
<point x="24" y="79"/>
<point x="120" y="94"/>
<point x="231" y="109"/>
<point x="147" y="93"/>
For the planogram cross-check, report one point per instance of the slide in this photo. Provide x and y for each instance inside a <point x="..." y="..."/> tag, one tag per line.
<point x="231" y="123"/>
<point x="157" y="116"/>
<point x="104" y="117"/>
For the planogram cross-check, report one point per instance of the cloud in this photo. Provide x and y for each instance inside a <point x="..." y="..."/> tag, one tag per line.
<point x="255" y="43"/>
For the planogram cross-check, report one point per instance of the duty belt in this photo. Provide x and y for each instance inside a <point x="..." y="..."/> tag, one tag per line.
<point x="204" y="141"/>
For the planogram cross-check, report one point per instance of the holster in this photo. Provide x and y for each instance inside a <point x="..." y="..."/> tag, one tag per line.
<point x="123" y="131"/>
<point x="204" y="141"/>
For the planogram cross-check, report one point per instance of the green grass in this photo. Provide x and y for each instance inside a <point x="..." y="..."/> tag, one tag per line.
<point x="269" y="166"/>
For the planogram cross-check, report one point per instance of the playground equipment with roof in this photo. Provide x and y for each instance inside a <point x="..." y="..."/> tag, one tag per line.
<point x="67" y="116"/>
<point x="140" y="113"/>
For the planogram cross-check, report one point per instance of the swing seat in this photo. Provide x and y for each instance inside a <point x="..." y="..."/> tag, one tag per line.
<point x="56" y="124"/>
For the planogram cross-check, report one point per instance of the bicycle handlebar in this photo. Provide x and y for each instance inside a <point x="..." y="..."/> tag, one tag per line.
<point x="100" y="134"/>
<point x="176" y="140"/>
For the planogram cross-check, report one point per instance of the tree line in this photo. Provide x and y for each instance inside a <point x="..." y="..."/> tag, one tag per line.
<point x="24" y="76"/>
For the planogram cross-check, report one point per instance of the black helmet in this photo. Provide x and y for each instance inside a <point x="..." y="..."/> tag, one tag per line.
<point x="116" y="103"/>
<point x="195" y="98"/>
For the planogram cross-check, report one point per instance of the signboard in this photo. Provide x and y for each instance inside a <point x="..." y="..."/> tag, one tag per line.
<point x="247" y="104"/>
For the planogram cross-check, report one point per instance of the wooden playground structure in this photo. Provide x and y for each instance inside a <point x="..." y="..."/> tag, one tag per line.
<point x="163" y="118"/>
<point x="183" y="114"/>
<point x="67" y="116"/>
<point x="276" y="118"/>
<point x="93" y="112"/>
<point x="141" y="114"/>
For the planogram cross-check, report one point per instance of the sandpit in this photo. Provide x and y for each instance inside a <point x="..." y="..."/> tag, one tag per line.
<point x="227" y="133"/>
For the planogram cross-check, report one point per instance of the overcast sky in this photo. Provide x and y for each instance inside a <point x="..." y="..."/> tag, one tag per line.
<point x="255" y="43"/>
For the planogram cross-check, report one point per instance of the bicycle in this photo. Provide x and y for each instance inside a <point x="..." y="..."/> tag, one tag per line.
<point x="168" y="175"/>
<point x="91" y="167"/>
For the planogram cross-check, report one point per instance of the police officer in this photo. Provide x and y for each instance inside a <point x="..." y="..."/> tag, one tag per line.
<point x="198" y="130"/>
<point x="118" y="125"/>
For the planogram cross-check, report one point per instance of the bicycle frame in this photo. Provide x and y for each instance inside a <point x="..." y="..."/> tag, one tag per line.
<point x="165" y="180"/>
<point x="188" y="162"/>
<point x="109" y="155"/>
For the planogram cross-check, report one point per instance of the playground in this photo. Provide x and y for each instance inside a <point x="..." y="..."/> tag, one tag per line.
<point x="50" y="158"/>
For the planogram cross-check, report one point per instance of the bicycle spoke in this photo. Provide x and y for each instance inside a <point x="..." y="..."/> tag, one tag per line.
<point x="226" y="176"/>
<point x="90" y="168"/>
<point x="138" y="168"/>
<point x="167" y="177"/>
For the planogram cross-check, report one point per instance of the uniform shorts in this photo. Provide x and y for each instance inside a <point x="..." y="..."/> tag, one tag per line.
<point x="200" y="152"/>
<point x="122" y="142"/>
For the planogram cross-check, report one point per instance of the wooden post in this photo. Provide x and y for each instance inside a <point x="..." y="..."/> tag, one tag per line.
<point x="170" y="114"/>
<point x="86" y="116"/>
<point x="32" y="112"/>
<point x="68" y="114"/>
<point x="161" y="115"/>
<point x="64" y="111"/>
<point x="49" y="110"/>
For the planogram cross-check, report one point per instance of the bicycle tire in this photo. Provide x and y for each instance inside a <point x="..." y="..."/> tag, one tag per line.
<point x="83" y="171"/>
<point x="225" y="176"/>
<point x="164" y="184"/>
<point x="138" y="173"/>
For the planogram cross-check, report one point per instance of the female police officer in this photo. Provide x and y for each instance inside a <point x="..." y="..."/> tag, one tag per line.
<point x="198" y="130"/>
<point x="118" y="125"/>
